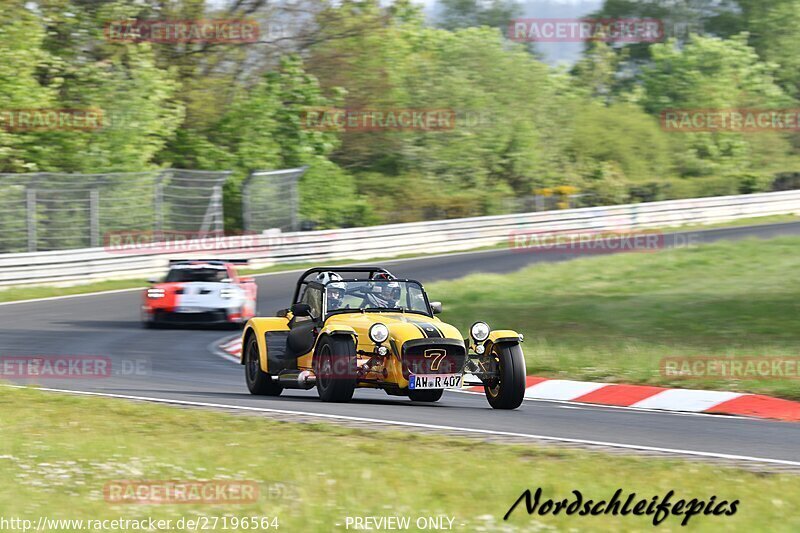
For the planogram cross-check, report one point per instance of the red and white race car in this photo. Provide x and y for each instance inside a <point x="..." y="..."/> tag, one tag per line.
<point x="207" y="291"/>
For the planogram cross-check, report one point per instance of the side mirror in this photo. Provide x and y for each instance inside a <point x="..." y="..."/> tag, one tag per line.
<point x="301" y="310"/>
<point x="436" y="307"/>
<point x="153" y="280"/>
<point x="247" y="280"/>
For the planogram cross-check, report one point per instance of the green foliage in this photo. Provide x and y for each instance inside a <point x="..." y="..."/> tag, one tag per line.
<point x="21" y="56"/>
<point x="458" y="14"/>
<point x="712" y="73"/>
<point x="520" y="125"/>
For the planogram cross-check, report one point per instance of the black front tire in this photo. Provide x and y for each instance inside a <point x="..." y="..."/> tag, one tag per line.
<point x="259" y="382"/>
<point x="335" y="368"/>
<point x="148" y="322"/>
<point x="425" y="395"/>
<point x="508" y="391"/>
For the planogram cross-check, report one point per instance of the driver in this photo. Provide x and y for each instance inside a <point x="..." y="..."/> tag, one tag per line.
<point x="388" y="295"/>
<point x="334" y="288"/>
<point x="336" y="291"/>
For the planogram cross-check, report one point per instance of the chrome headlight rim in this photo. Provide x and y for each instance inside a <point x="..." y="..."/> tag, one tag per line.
<point x="378" y="332"/>
<point x="479" y="331"/>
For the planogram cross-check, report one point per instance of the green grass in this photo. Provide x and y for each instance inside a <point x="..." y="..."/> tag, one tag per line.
<point x="58" y="451"/>
<point x="13" y="294"/>
<point x="751" y="221"/>
<point x="613" y="318"/>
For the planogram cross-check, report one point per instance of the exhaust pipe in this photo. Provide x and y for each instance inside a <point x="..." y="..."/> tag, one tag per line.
<point x="297" y="379"/>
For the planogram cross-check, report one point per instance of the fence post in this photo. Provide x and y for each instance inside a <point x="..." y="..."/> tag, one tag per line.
<point x="295" y="197"/>
<point x="30" y="215"/>
<point x="158" y="201"/>
<point x="219" y="222"/>
<point x="247" y="220"/>
<point x="94" y="218"/>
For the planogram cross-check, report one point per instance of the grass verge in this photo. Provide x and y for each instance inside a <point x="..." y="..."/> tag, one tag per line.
<point x="614" y="318"/>
<point x="59" y="451"/>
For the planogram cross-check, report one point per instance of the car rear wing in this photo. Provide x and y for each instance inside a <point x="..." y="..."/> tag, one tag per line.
<point x="214" y="261"/>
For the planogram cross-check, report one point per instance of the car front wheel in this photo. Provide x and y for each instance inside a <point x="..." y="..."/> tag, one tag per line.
<point x="258" y="382"/>
<point x="507" y="390"/>
<point x="335" y="368"/>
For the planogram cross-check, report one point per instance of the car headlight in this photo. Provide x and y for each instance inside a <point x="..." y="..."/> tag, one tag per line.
<point x="227" y="293"/>
<point x="155" y="293"/>
<point x="378" y="333"/>
<point x="479" y="331"/>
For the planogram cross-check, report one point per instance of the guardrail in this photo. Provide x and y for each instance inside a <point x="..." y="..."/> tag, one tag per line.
<point x="74" y="266"/>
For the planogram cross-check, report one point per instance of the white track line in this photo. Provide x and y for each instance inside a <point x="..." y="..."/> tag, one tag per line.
<point x="67" y="296"/>
<point x="425" y="426"/>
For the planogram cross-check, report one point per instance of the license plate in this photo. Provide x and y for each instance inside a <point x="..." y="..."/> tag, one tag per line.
<point x="189" y="310"/>
<point x="435" y="381"/>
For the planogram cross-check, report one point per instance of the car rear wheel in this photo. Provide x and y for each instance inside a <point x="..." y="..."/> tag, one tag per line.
<point x="507" y="390"/>
<point x="258" y="382"/>
<point x="148" y="322"/>
<point x="425" y="395"/>
<point x="335" y="368"/>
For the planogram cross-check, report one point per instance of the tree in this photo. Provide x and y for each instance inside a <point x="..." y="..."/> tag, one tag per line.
<point x="774" y="29"/>
<point x="457" y="14"/>
<point x="712" y="73"/>
<point x="22" y="61"/>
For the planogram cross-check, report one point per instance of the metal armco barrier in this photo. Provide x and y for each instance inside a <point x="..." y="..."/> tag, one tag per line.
<point x="75" y="266"/>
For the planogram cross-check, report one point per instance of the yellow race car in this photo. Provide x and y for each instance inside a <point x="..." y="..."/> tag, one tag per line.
<point x="357" y="327"/>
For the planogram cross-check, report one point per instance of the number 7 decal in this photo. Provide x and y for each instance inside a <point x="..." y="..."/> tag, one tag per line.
<point x="438" y="356"/>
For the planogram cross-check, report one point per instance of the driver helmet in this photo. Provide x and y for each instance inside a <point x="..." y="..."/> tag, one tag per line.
<point x="389" y="291"/>
<point x="334" y="286"/>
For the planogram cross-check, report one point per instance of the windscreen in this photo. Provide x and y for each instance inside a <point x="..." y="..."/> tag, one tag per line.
<point x="376" y="295"/>
<point x="196" y="274"/>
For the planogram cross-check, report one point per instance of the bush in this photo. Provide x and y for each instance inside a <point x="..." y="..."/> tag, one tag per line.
<point x="786" y="181"/>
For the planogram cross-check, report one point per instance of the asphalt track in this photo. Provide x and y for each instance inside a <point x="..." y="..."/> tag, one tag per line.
<point x="178" y="365"/>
